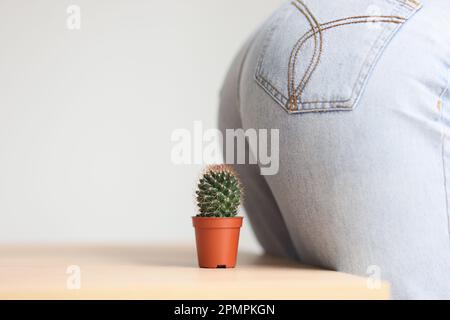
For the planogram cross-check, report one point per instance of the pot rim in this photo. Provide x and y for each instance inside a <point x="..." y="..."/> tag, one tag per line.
<point x="235" y="217"/>
<point x="217" y="222"/>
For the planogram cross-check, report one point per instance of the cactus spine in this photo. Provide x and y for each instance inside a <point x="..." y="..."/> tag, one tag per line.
<point x="219" y="192"/>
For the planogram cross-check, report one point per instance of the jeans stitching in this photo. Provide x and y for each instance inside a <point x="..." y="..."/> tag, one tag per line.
<point x="285" y="99"/>
<point x="259" y="77"/>
<point x="301" y="86"/>
<point x="367" y="61"/>
<point x="294" y="95"/>
<point x="378" y="45"/>
<point x="271" y="87"/>
<point x="409" y="4"/>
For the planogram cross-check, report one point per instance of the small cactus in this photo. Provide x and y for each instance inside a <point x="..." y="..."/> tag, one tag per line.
<point x="219" y="192"/>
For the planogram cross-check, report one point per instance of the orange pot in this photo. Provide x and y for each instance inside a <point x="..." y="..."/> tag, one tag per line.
<point x="217" y="241"/>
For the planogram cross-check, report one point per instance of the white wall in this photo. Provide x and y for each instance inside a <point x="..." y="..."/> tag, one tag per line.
<point x="86" y="115"/>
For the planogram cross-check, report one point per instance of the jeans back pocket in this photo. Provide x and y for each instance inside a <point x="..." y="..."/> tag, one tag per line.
<point x="318" y="55"/>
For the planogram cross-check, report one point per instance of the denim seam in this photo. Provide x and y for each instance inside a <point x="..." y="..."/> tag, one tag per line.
<point x="313" y="102"/>
<point x="293" y="92"/>
<point x="369" y="63"/>
<point x="260" y="79"/>
<point x="408" y="4"/>
<point x="300" y="86"/>
<point x="329" y="25"/>
<point x="272" y="90"/>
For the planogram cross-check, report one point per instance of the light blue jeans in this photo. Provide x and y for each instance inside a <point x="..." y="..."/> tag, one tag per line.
<point x="359" y="92"/>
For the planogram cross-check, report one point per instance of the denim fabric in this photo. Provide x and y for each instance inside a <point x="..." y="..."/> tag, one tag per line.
<point x="364" y="180"/>
<point x="318" y="57"/>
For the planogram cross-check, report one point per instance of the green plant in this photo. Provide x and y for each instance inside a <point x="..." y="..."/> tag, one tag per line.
<point x="219" y="192"/>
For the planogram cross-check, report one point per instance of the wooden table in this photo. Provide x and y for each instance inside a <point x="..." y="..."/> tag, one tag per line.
<point x="145" y="272"/>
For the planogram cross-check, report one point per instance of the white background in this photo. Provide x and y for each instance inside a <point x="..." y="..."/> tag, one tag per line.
<point x="86" y="116"/>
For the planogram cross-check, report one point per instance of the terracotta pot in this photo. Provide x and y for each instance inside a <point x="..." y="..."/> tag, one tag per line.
<point x="217" y="241"/>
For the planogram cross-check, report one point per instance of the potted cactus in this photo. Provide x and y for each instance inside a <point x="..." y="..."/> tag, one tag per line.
<point x="216" y="226"/>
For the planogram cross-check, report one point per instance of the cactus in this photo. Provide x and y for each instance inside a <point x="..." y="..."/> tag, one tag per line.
<point x="219" y="192"/>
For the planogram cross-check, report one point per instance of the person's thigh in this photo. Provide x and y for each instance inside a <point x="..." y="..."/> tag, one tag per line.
<point x="362" y="187"/>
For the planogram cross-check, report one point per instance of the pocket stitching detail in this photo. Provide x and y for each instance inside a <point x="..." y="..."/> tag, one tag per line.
<point x="299" y="90"/>
<point x="293" y="103"/>
<point x="294" y="98"/>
